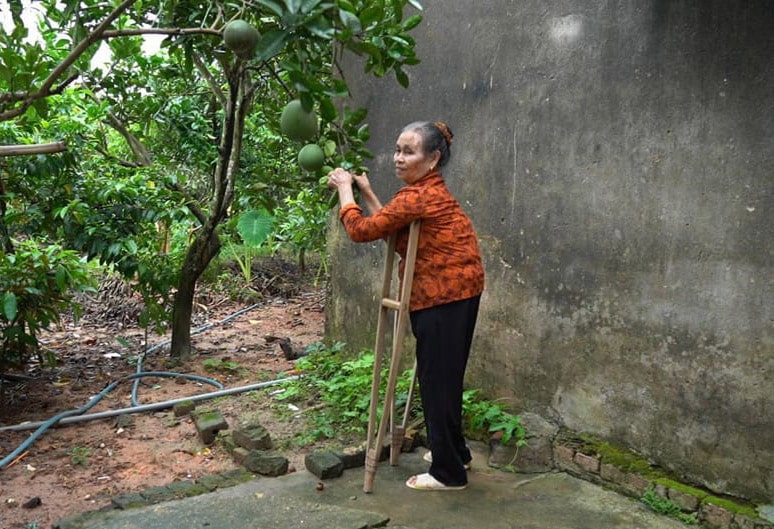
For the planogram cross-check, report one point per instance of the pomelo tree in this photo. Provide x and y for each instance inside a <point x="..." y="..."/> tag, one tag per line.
<point x="184" y="115"/>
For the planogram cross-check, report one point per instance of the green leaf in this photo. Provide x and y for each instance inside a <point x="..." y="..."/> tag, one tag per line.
<point x="402" y="77"/>
<point x="308" y="5"/>
<point x="329" y="148"/>
<point x="271" y="44"/>
<point x="274" y="7"/>
<point x="327" y="109"/>
<point x="350" y="21"/>
<point x="255" y="226"/>
<point x="370" y="15"/>
<point x="293" y="5"/>
<point x="364" y="132"/>
<point x="321" y="27"/>
<point x="412" y="22"/>
<point x="9" y="306"/>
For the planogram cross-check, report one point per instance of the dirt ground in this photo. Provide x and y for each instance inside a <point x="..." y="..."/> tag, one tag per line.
<point x="78" y="467"/>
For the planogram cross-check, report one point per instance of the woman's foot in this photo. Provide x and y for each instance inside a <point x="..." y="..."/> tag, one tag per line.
<point x="429" y="458"/>
<point x="427" y="482"/>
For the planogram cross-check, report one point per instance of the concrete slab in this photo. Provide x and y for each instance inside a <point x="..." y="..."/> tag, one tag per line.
<point x="493" y="500"/>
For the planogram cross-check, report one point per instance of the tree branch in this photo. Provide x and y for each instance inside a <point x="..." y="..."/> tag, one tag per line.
<point x="100" y="32"/>
<point x="40" y="148"/>
<point x="141" y="154"/>
<point x="209" y="78"/>
<point x="113" y="33"/>
<point x="189" y="202"/>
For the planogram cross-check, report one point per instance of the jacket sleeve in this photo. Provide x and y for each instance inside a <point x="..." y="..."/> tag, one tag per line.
<point x="404" y="208"/>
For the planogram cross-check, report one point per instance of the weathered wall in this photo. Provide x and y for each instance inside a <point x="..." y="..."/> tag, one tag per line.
<point x="617" y="159"/>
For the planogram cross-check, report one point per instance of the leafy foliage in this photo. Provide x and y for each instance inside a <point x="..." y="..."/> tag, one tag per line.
<point x="342" y="387"/>
<point x="254" y="227"/>
<point x="667" y="507"/>
<point x="180" y="140"/>
<point x="482" y="416"/>
<point x="36" y="284"/>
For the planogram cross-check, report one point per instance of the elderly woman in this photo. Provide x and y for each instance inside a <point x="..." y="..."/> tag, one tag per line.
<point x="447" y="287"/>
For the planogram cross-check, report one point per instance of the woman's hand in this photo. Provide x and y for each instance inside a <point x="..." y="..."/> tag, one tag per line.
<point x="362" y="182"/>
<point x="339" y="177"/>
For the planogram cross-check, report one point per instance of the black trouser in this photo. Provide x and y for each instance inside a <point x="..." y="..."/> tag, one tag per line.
<point x="444" y="334"/>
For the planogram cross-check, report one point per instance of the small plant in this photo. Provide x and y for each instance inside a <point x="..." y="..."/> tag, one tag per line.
<point x="481" y="415"/>
<point x="666" y="506"/>
<point x="218" y="364"/>
<point x="343" y="387"/>
<point x="254" y="227"/>
<point x="79" y="455"/>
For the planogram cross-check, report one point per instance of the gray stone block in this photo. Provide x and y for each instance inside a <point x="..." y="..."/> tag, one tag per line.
<point x="208" y="425"/>
<point x="183" y="408"/>
<point x="324" y="464"/>
<point x="351" y="457"/>
<point x="266" y="463"/>
<point x="253" y="437"/>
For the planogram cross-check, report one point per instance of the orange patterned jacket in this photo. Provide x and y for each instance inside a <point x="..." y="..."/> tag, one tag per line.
<point x="448" y="265"/>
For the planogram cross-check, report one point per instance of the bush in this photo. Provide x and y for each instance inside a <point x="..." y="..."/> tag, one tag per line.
<point x="37" y="282"/>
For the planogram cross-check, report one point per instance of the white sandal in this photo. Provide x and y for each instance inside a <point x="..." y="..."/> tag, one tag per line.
<point x="429" y="458"/>
<point x="427" y="482"/>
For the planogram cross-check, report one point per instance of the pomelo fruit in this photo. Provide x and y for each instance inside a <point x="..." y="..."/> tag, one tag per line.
<point x="296" y="123"/>
<point x="311" y="157"/>
<point x="241" y="38"/>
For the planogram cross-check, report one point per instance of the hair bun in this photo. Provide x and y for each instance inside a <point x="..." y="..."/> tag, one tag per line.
<point x="447" y="134"/>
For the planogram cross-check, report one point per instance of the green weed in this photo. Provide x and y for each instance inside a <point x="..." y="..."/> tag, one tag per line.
<point x="79" y="455"/>
<point x="485" y="417"/>
<point x="667" y="507"/>
<point x="223" y="366"/>
<point x="342" y="389"/>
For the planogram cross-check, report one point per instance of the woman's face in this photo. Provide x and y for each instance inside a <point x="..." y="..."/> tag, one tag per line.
<point x="411" y="162"/>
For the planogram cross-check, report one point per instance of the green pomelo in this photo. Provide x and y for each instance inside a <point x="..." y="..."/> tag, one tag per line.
<point x="296" y="123"/>
<point x="241" y="37"/>
<point x="311" y="157"/>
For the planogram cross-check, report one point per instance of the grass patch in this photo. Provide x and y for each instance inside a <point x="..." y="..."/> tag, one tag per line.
<point x="733" y="506"/>
<point x="667" y="507"/>
<point x="681" y="487"/>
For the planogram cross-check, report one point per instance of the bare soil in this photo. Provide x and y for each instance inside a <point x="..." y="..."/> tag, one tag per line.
<point x="79" y="467"/>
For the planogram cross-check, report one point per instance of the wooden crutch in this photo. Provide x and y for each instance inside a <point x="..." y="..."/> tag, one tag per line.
<point x="401" y="306"/>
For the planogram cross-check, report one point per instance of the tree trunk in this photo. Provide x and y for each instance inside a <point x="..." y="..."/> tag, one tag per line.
<point x="203" y="249"/>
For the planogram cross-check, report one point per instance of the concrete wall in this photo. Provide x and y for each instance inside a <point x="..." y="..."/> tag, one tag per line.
<point x="617" y="159"/>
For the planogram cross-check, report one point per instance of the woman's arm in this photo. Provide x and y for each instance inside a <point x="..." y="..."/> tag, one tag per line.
<point x="341" y="180"/>
<point x="369" y="197"/>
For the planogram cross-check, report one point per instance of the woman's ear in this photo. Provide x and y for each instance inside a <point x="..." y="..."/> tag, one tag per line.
<point x="434" y="159"/>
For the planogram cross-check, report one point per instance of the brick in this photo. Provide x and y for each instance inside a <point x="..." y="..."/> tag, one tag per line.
<point x="743" y="522"/>
<point x="183" y="408"/>
<point x="612" y="474"/>
<point x="208" y="425"/>
<point x="239" y="454"/>
<point x="253" y="437"/>
<point x="129" y="501"/>
<point x="352" y="457"/>
<point x="266" y="463"/>
<point x="563" y="456"/>
<point x="587" y="463"/>
<point x="715" y="517"/>
<point x="636" y="484"/>
<point x="324" y="464"/>
<point x="687" y="502"/>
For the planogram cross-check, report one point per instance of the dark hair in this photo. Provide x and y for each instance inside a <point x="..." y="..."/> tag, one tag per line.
<point x="435" y="137"/>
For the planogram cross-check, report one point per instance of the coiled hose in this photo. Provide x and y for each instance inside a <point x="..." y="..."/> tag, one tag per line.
<point x="136" y="407"/>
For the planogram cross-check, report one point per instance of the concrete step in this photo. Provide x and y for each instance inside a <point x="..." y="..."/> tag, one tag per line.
<point x="232" y="509"/>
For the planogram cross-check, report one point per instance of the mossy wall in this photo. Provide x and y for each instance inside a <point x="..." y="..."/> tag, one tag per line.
<point x="617" y="159"/>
